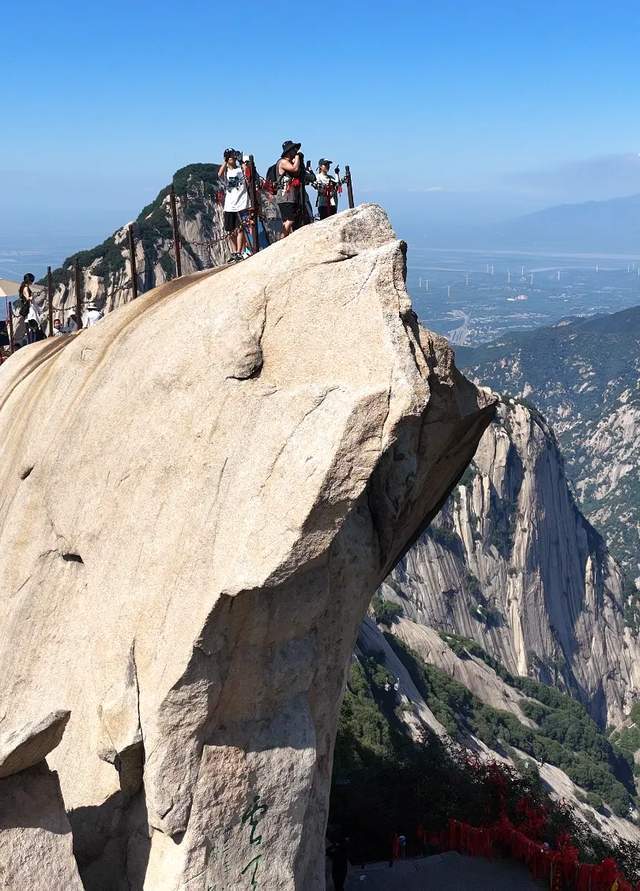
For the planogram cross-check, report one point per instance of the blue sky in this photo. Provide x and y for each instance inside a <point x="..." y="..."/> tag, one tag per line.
<point x="460" y="107"/>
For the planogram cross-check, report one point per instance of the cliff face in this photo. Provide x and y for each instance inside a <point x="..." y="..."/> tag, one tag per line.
<point x="513" y="564"/>
<point x="106" y="277"/>
<point x="583" y="375"/>
<point x="448" y="685"/>
<point x="190" y="534"/>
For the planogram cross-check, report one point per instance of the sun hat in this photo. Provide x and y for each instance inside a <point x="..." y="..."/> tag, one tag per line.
<point x="288" y="146"/>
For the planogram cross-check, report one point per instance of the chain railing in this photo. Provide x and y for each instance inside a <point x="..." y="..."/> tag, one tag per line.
<point x="250" y="225"/>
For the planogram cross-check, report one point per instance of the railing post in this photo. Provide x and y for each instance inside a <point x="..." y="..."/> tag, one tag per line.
<point x="50" y="298"/>
<point x="176" y="234"/>
<point x="10" y="324"/>
<point x="78" y="296"/>
<point x="254" y="205"/>
<point x="132" y="257"/>
<point x="347" y="171"/>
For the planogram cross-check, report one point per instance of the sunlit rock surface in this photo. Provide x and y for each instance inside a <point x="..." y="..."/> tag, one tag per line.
<point x="193" y="520"/>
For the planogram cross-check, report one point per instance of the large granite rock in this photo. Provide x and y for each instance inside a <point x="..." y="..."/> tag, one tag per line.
<point x="194" y="517"/>
<point x="36" y="847"/>
<point x="28" y="745"/>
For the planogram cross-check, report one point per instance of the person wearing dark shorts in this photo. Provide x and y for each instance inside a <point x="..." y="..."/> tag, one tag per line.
<point x="288" y="195"/>
<point x="327" y="188"/>
<point x="289" y="212"/>
<point x="232" y="220"/>
<point x="236" y="201"/>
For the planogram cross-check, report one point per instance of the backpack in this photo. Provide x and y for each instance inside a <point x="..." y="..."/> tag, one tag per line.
<point x="271" y="179"/>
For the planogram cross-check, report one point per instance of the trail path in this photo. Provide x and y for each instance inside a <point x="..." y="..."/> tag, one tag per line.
<point x="450" y="871"/>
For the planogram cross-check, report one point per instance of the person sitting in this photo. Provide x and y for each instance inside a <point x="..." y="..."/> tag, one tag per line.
<point x="72" y="324"/>
<point x="57" y="328"/>
<point x="327" y="186"/>
<point x="236" y="202"/>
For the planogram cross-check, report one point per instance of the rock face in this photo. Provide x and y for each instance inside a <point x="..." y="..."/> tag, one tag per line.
<point x="191" y="529"/>
<point x="106" y="271"/>
<point x="513" y="564"/>
<point x="36" y="848"/>
<point x="583" y="375"/>
<point x="466" y="665"/>
<point x="28" y="746"/>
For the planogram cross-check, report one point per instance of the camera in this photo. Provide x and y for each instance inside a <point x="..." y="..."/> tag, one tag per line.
<point x="233" y="153"/>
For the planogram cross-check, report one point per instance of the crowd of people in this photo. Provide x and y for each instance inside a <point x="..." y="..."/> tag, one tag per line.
<point x="287" y="179"/>
<point x="28" y="324"/>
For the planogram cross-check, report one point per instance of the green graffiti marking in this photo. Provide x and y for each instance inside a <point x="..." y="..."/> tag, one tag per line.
<point x="255" y="862"/>
<point x="254" y="814"/>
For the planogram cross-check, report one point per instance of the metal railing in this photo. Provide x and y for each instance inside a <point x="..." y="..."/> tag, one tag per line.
<point x="256" y="185"/>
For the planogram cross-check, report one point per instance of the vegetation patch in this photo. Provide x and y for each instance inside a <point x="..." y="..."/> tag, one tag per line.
<point x="386" y="612"/>
<point x="566" y="736"/>
<point x="383" y="782"/>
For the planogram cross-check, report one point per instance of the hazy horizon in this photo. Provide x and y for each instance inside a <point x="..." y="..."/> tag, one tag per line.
<point x="448" y="121"/>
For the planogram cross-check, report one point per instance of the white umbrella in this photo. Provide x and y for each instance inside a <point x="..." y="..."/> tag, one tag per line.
<point x="8" y="288"/>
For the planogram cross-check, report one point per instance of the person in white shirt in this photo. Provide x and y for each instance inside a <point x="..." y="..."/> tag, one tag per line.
<point x="327" y="186"/>
<point x="91" y="315"/>
<point x="236" y="202"/>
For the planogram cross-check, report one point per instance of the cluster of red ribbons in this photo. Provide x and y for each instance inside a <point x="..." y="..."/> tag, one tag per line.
<point x="560" y="868"/>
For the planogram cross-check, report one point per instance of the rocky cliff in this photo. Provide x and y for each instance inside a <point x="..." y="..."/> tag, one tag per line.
<point x="583" y="375"/>
<point x="106" y="271"/>
<point x="514" y="565"/>
<point x="189" y="536"/>
<point x="449" y="686"/>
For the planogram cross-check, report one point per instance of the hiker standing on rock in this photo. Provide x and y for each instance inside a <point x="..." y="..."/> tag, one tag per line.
<point x="236" y="201"/>
<point x="327" y="188"/>
<point x="27" y="310"/>
<point x="289" y="172"/>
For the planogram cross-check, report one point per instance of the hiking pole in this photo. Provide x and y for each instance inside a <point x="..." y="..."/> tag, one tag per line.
<point x="254" y="204"/>
<point x="132" y="255"/>
<point x="78" y="296"/>
<point x="176" y="234"/>
<point x="50" y="297"/>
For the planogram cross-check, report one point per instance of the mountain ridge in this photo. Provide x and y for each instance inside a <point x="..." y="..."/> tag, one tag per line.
<point x="595" y="226"/>
<point x="583" y="375"/>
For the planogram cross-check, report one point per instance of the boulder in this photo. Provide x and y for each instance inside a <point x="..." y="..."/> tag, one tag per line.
<point x="194" y="518"/>
<point x="28" y="745"/>
<point x="36" y="846"/>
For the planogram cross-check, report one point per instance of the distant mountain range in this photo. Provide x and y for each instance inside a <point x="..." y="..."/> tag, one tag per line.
<point x="583" y="375"/>
<point x="597" y="227"/>
<point x="593" y="227"/>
